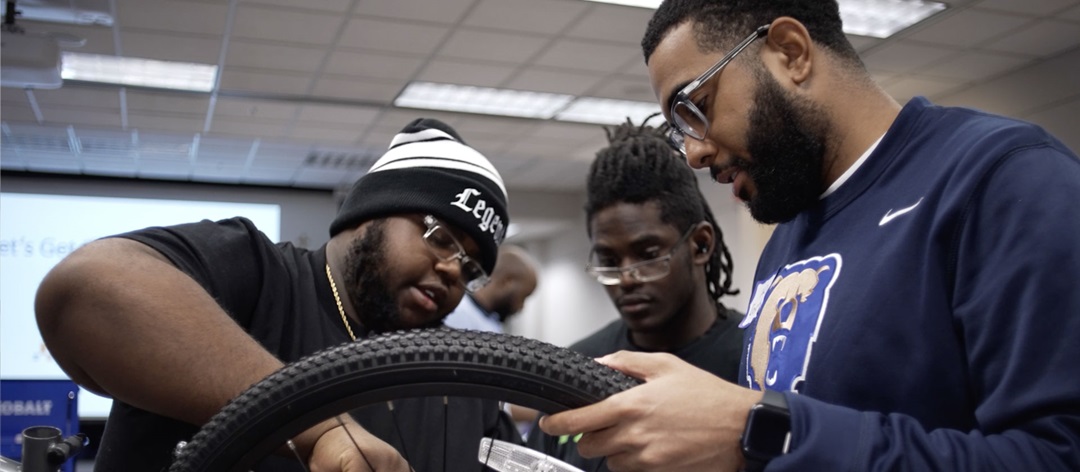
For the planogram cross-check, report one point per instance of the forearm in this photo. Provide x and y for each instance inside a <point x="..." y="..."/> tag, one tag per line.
<point x="122" y="320"/>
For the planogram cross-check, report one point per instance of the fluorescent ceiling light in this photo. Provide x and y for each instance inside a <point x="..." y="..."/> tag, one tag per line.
<point x="883" y="18"/>
<point x="525" y="104"/>
<point x="607" y="111"/>
<point x="139" y="72"/>
<point x="877" y="18"/>
<point x="488" y="101"/>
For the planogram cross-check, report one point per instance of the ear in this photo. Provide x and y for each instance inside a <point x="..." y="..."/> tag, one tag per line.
<point x="702" y="241"/>
<point x="789" y="52"/>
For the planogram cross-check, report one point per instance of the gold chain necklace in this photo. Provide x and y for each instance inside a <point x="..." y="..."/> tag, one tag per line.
<point x="337" y="299"/>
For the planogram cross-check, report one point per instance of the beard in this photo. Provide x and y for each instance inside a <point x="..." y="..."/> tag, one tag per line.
<point x="787" y="140"/>
<point x="365" y="278"/>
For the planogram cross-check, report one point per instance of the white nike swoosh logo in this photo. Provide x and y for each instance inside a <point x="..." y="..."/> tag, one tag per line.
<point x="889" y="215"/>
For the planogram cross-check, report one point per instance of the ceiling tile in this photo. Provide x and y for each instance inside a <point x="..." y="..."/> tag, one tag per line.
<point x="1032" y="88"/>
<point x="372" y="64"/>
<point x="324" y="134"/>
<point x="966" y="28"/>
<point x="164" y="15"/>
<point x="491" y="46"/>
<point x="187" y="123"/>
<point x="167" y="170"/>
<point x="149" y="101"/>
<point x="269" y="156"/>
<point x="246" y="53"/>
<point x="1061" y="121"/>
<point x="83" y="96"/>
<point x="356" y="89"/>
<point x="554" y="130"/>
<point x="338" y="6"/>
<point x="17" y="112"/>
<point x="607" y="23"/>
<point x="635" y="67"/>
<point x="248" y="127"/>
<point x="463" y="72"/>
<point x="477" y="126"/>
<point x="255" y="108"/>
<point x="81" y="116"/>
<point x="285" y="25"/>
<point x="99" y="39"/>
<point x="1042" y="39"/>
<point x="342" y="116"/>
<point x="63" y="164"/>
<point x="974" y="66"/>
<point x="224" y="150"/>
<point x="322" y="178"/>
<point x="1072" y="14"/>
<point x="394" y="119"/>
<point x="905" y="87"/>
<point x="624" y="88"/>
<point x="217" y="173"/>
<point x="525" y="15"/>
<point x="392" y="36"/>
<point x="585" y="55"/>
<point x="250" y="81"/>
<point x="1027" y="7"/>
<point x="862" y="43"/>
<point x="539" y="79"/>
<point x="14" y="95"/>
<point x="268" y="176"/>
<point x="108" y="167"/>
<point x="553" y="149"/>
<point x="442" y="11"/>
<point x="171" y="47"/>
<point x="904" y="57"/>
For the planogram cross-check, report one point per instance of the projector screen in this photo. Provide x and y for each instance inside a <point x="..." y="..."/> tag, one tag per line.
<point x="36" y="231"/>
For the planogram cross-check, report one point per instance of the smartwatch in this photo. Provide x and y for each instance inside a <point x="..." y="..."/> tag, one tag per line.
<point x="768" y="431"/>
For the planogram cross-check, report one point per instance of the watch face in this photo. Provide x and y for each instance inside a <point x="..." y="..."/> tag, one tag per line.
<point x="767" y="431"/>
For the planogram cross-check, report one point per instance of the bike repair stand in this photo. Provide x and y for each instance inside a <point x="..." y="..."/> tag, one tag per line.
<point x="45" y="450"/>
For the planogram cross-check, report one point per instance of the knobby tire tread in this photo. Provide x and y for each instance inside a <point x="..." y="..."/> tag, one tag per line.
<point x="431" y="362"/>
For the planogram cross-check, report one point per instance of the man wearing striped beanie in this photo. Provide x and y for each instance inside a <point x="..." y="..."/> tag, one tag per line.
<point x="196" y="313"/>
<point x="429" y="168"/>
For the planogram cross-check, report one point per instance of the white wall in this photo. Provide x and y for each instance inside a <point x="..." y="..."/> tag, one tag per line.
<point x="568" y="304"/>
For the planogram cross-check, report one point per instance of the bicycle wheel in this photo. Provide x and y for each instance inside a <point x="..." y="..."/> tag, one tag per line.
<point x="405" y="364"/>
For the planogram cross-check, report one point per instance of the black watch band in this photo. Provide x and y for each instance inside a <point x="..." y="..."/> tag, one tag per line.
<point x="768" y="431"/>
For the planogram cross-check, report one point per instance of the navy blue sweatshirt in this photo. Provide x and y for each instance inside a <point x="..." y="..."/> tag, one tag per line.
<point x="925" y="316"/>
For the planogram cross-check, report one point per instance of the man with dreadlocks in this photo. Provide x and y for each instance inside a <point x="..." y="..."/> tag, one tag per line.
<point x="661" y="257"/>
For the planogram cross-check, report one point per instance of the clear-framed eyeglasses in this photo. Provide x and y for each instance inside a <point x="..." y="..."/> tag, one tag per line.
<point x="687" y="118"/>
<point x="446" y="247"/>
<point x="644" y="271"/>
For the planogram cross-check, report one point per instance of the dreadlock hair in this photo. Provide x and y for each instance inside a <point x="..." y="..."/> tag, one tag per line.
<point x="641" y="165"/>
<point x="719" y="24"/>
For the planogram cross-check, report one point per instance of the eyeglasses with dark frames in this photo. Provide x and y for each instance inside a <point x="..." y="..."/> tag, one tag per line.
<point x="644" y="271"/>
<point x="447" y="248"/>
<point x="687" y="119"/>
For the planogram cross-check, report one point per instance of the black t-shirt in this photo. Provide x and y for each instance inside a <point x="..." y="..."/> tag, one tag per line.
<point x="717" y="351"/>
<point x="280" y="295"/>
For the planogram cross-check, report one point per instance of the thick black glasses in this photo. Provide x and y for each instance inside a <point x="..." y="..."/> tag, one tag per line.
<point x="644" y="271"/>
<point x="446" y="247"/>
<point x="686" y="118"/>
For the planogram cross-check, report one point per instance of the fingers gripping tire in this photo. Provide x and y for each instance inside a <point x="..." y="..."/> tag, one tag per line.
<point x="416" y="363"/>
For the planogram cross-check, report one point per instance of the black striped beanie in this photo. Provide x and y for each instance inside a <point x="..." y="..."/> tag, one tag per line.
<point x="429" y="169"/>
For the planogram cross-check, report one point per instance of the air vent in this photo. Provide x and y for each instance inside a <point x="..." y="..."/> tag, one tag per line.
<point x="40" y="143"/>
<point x="106" y="146"/>
<point x="339" y="160"/>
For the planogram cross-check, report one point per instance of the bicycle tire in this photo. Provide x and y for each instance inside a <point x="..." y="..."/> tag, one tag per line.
<point x="417" y="363"/>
